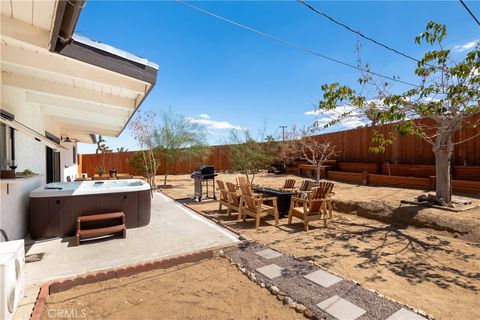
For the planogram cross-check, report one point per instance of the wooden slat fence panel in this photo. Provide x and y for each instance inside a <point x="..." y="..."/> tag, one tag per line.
<point x="353" y="146"/>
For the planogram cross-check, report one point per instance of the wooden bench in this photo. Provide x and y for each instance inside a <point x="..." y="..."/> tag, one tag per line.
<point x="96" y="232"/>
<point x="310" y="170"/>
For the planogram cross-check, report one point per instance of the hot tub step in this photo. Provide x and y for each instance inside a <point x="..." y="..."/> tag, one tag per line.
<point x="95" y="232"/>
<point x="100" y="232"/>
<point x="101" y="217"/>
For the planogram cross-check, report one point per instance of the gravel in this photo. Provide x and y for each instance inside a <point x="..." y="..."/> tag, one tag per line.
<point x="303" y="291"/>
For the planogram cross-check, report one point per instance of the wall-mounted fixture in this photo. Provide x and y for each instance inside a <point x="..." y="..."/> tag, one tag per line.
<point x="65" y="138"/>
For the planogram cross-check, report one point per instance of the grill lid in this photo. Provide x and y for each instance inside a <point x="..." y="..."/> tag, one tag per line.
<point x="204" y="170"/>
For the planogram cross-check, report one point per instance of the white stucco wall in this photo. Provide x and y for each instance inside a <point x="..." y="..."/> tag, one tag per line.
<point x="67" y="167"/>
<point x="29" y="154"/>
<point x="14" y="206"/>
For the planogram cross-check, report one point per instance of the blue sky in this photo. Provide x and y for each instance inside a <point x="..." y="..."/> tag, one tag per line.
<point x="226" y="77"/>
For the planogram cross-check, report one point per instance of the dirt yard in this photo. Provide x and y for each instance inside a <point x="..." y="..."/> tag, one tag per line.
<point x="431" y="270"/>
<point x="210" y="289"/>
<point x="381" y="203"/>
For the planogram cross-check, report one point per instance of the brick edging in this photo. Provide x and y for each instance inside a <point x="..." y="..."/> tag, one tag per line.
<point x="56" y="286"/>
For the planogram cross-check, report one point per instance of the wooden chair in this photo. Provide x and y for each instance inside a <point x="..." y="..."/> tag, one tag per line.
<point x="306" y="186"/>
<point x="242" y="180"/>
<point x="304" y="190"/>
<point x="223" y="196"/>
<point x="220" y="184"/>
<point x="253" y="206"/>
<point x="313" y="208"/>
<point x="329" y="187"/>
<point x="289" y="184"/>
<point x="234" y="199"/>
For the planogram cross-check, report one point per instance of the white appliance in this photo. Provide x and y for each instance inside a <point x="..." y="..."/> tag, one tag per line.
<point x="12" y="277"/>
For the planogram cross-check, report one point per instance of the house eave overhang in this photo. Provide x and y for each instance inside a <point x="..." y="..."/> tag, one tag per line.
<point x="82" y="86"/>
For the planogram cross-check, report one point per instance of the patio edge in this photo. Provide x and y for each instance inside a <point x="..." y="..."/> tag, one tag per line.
<point x="217" y="221"/>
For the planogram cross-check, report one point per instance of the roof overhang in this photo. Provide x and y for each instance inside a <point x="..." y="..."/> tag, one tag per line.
<point x="80" y="86"/>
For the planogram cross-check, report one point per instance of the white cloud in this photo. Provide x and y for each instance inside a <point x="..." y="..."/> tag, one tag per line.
<point x="214" y="124"/>
<point x="465" y="46"/>
<point x="352" y="121"/>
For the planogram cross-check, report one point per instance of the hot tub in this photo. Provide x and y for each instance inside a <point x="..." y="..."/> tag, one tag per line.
<point x="54" y="207"/>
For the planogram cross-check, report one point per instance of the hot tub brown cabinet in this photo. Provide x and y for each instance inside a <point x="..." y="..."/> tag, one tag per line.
<point x="54" y="208"/>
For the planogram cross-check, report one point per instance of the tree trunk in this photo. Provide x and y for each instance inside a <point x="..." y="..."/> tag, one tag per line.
<point x="153" y="169"/>
<point x="166" y="174"/>
<point x="443" y="188"/>
<point x="318" y="175"/>
<point x="443" y="150"/>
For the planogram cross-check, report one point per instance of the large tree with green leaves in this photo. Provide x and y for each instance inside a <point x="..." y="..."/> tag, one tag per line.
<point x="445" y="100"/>
<point x="179" y="138"/>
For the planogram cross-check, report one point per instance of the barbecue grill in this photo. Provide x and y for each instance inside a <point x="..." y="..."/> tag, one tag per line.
<point x="202" y="177"/>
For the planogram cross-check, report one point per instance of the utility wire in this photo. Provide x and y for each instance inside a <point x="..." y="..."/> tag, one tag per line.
<point x="469" y="11"/>
<point x="291" y="44"/>
<point x="356" y="32"/>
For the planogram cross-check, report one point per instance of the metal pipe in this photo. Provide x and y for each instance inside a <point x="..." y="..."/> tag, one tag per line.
<point x="12" y="142"/>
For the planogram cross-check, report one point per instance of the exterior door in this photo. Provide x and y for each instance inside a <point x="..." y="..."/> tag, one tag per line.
<point x="53" y="161"/>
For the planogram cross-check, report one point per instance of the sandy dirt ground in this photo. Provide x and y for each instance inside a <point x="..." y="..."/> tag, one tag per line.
<point x="211" y="289"/>
<point x="369" y="196"/>
<point x="429" y="270"/>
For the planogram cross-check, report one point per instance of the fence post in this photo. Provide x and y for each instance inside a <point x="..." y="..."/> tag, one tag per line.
<point x="365" y="178"/>
<point x="378" y="167"/>
<point x="433" y="182"/>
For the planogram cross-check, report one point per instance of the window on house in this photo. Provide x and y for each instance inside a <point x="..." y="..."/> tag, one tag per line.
<point x="3" y="147"/>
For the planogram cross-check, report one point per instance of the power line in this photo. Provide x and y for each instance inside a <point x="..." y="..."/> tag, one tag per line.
<point x="469" y="11"/>
<point x="291" y="44"/>
<point x="356" y="32"/>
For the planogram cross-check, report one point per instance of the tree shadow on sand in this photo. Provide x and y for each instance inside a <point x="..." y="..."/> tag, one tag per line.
<point x="416" y="260"/>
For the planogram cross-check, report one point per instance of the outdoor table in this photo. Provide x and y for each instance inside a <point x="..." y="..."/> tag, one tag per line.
<point x="283" y="198"/>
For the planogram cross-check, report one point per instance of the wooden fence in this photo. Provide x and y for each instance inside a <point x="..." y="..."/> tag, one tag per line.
<point x="88" y="163"/>
<point x="354" y="147"/>
<point x="408" y="156"/>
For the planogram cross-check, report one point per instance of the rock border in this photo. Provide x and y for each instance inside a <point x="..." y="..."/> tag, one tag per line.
<point x="272" y="289"/>
<point x="307" y="313"/>
<point x="245" y="239"/>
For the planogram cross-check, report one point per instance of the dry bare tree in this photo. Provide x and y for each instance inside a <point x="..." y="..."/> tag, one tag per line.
<point x="302" y="145"/>
<point x="143" y="127"/>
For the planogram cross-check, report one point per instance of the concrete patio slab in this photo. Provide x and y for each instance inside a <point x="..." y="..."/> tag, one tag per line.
<point x="268" y="254"/>
<point x="271" y="271"/>
<point x="340" y="308"/>
<point x="173" y="229"/>
<point x="404" y="314"/>
<point x="323" y="278"/>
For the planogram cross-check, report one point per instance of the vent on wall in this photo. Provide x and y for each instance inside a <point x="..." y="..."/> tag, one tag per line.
<point x="7" y="115"/>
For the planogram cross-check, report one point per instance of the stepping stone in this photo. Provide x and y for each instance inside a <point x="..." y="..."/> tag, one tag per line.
<point x="271" y="271"/>
<point x="268" y="254"/>
<point x="340" y="308"/>
<point x="323" y="278"/>
<point x="404" y="314"/>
